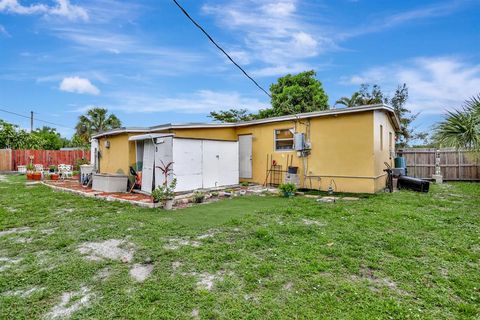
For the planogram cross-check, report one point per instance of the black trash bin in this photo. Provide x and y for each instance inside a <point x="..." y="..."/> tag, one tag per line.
<point x="406" y="182"/>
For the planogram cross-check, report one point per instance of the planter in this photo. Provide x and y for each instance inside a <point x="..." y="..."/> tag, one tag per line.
<point x="168" y="204"/>
<point x="29" y="175"/>
<point x="37" y="176"/>
<point x="54" y="176"/>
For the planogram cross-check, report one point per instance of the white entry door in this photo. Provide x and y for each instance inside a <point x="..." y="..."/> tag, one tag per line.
<point x="245" y="155"/>
<point x="148" y="164"/>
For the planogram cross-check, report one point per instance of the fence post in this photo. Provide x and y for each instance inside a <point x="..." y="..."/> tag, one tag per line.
<point x="438" y="172"/>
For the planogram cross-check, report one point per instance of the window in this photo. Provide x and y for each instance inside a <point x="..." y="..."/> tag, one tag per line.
<point x="381" y="137"/>
<point x="284" y="139"/>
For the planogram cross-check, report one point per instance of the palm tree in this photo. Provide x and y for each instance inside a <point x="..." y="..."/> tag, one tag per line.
<point x="461" y="127"/>
<point x="353" y="101"/>
<point x="94" y="121"/>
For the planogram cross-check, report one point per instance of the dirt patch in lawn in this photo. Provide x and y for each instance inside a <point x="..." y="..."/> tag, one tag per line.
<point x="208" y="234"/>
<point x="23" y="293"/>
<point x="66" y="308"/>
<point x="6" y="262"/>
<point x="176" y="243"/>
<point x="195" y="314"/>
<point x="368" y="274"/>
<point x="113" y="249"/>
<point x="205" y="280"/>
<point x="176" y="265"/>
<point x="140" y="272"/>
<point x="14" y="230"/>
<point x="309" y="222"/>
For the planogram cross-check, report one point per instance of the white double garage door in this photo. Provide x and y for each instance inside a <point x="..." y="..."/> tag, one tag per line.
<point x="195" y="163"/>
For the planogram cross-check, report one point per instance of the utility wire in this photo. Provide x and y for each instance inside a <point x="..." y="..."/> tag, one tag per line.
<point x="28" y="117"/>
<point x="220" y="48"/>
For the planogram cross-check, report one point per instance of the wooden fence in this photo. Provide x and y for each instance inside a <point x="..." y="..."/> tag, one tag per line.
<point x="11" y="159"/>
<point x="455" y="164"/>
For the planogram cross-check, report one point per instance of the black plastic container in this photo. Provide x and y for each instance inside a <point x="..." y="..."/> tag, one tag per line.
<point x="293" y="170"/>
<point x="415" y="184"/>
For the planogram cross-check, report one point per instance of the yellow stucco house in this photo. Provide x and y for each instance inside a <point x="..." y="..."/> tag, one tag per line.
<point x="341" y="148"/>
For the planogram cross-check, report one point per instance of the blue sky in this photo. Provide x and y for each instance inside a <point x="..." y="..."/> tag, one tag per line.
<point x="144" y="61"/>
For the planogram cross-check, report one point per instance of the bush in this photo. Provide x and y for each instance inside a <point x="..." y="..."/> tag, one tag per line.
<point x="198" y="196"/>
<point x="165" y="192"/>
<point x="288" y="189"/>
<point x="79" y="162"/>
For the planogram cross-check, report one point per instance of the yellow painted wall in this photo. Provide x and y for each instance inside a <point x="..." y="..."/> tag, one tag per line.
<point x="206" y="133"/>
<point x="119" y="157"/>
<point x="341" y="150"/>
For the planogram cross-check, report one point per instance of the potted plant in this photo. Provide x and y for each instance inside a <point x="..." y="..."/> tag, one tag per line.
<point x="198" y="196"/>
<point x="288" y="189"/>
<point x="52" y="169"/>
<point x="30" y="170"/>
<point x="54" y="176"/>
<point x="76" y="175"/>
<point x="37" y="176"/>
<point x="165" y="194"/>
<point x="244" y="185"/>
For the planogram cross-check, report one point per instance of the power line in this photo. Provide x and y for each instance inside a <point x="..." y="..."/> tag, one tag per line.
<point x="220" y="48"/>
<point x="40" y="120"/>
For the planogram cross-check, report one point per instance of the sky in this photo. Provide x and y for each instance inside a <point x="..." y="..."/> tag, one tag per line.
<point x="148" y="64"/>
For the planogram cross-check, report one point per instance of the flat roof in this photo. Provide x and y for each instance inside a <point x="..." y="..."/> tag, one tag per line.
<point x="314" y="114"/>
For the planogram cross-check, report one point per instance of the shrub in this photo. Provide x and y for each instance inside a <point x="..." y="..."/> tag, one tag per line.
<point x="198" y="196"/>
<point x="288" y="189"/>
<point x="165" y="192"/>
<point x="79" y="162"/>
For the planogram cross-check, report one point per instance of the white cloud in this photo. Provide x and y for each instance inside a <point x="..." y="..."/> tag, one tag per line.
<point x="78" y="85"/>
<point x="273" y="33"/>
<point x="435" y="83"/>
<point x="201" y="101"/>
<point x="63" y="8"/>
<point x="409" y="16"/>
<point x="276" y="70"/>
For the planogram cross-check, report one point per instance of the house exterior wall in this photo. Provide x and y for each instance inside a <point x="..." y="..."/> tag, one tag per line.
<point x="119" y="157"/>
<point x="383" y="146"/>
<point x="345" y="149"/>
<point x="206" y="133"/>
<point x="341" y="150"/>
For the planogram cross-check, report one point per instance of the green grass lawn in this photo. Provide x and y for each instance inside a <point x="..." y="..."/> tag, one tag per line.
<point x="392" y="256"/>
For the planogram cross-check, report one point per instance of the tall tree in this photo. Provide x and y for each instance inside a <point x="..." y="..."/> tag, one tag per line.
<point x="296" y="94"/>
<point x="461" y="127"/>
<point x="50" y="137"/>
<point x="94" y="121"/>
<point x="406" y="117"/>
<point x="353" y="101"/>
<point x="11" y="136"/>
<point x="373" y="96"/>
<point x="231" y="115"/>
<point x="290" y="95"/>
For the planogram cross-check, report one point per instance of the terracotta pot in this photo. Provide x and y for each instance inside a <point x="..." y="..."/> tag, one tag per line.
<point x="54" y="177"/>
<point x="29" y="176"/>
<point x="37" y="176"/>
